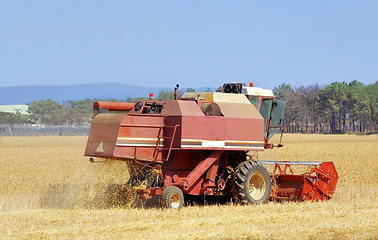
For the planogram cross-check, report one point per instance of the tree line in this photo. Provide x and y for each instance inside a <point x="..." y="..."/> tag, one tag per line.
<point x="78" y="112"/>
<point x="335" y="108"/>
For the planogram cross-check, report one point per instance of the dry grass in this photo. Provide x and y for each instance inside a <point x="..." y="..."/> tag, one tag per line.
<point x="48" y="189"/>
<point x="40" y="172"/>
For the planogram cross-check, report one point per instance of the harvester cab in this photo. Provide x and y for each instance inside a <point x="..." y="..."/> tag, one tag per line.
<point x="200" y="144"/>
<point x="271" y="109"/>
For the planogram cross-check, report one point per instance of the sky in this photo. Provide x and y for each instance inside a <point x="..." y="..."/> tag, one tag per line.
<point x="194" y="43"/>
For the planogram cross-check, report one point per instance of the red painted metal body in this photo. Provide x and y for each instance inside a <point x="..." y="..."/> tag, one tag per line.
<point x="192" y="150"/>
<point x="189" y="145"/>
<point x="181" y="125"/>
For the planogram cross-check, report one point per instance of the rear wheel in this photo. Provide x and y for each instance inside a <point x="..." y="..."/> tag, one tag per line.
<point x="251" y="183"/>
<point x="172" y="197"/>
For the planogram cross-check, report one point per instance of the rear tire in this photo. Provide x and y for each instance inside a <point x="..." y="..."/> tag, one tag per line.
<point x="251" y="183"/>
<point x="172" y="197"/>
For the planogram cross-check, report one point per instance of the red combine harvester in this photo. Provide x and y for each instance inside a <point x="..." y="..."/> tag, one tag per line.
<point x="204" y="144"/>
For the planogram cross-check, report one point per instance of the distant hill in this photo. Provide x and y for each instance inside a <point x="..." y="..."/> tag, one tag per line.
<point x="26" y="94"/>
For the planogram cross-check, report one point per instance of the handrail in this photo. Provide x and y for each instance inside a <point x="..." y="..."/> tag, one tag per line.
<point x="173" y="138"/>
<point x="154" y="155"/>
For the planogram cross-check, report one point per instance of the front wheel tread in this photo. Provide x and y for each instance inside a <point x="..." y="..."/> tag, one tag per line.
<point x="250" y="175"/>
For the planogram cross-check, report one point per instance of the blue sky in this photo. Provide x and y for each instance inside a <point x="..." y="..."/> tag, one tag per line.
<point x="194" y="43"/>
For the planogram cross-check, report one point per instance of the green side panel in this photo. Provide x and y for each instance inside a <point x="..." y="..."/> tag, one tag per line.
<point x="265" y="110"/>
<point x="254" y="101"/>
<point x="273" y="110"/>
<point x="277" y="115"/>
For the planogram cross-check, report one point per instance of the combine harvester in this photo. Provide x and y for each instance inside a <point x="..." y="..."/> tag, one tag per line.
<point x="204" y="144"/>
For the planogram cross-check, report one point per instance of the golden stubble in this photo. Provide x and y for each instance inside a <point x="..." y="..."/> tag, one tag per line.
<point x="48" y="189"/>
<point x="45" y="172"/>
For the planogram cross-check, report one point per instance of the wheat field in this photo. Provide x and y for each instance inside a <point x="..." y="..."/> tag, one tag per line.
<point x="49" y="190"/>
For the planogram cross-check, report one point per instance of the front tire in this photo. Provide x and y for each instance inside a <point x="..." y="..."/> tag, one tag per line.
<point x="172" y="197"/>
<point x="251" y="183"/>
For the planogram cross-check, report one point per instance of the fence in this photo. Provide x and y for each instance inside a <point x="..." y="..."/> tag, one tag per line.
<point x="32" y="130"/>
